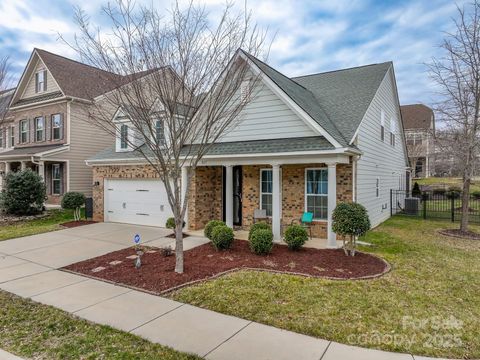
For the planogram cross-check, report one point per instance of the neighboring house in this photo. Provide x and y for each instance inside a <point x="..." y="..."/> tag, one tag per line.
<point x="5" y="117"/>
<point x="48" y="129"/>
<point x="302" y="144"/>
<point x="419" y="126"/>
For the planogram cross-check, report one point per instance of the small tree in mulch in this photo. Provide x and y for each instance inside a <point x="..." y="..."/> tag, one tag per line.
<point x="24" y="193"/>
<point x="350" y="220"/>
<point x="73" y="201"/>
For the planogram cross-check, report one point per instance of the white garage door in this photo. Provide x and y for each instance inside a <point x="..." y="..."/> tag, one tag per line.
<point x="140" y="202"/>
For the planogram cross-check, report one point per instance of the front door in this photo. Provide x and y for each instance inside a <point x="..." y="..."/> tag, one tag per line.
<point x="237" y="195"/>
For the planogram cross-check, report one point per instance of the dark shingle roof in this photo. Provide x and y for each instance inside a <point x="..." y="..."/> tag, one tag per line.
<point x="29" y="151"/>
<point x="315" y="143"/>
<point x="417" y="116"/>
<point x="345" y="95"/>
<point x="5" y="98"/>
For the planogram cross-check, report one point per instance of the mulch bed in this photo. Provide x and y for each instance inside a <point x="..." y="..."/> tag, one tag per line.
<point x="172" y="236"/>
<point x="460" y="234"/>
<point x="72" y="224"/>
<point x="203" y="262"/>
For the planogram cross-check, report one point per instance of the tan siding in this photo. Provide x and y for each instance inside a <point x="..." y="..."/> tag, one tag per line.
<point x="30" y="87"/>
<point x="85" y="141"/>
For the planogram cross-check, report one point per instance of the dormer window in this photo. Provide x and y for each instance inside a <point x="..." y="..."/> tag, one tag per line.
<point x="40" y="81"/>
<point x="123" y="137"/>
<point x="159" y="132"/>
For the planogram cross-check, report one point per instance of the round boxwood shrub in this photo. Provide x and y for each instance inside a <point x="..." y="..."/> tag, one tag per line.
<point x="261" y="241"/>
<point x="170" y="224"/>
<point x="350" y="219"/>
<point x="295" y="237"/>
<point x="222" y="237"/>
<point x="73" y="201"/>
<point x="24" y="193"/>
<point x="210" y="226"/>
<point x="260" y="225"/>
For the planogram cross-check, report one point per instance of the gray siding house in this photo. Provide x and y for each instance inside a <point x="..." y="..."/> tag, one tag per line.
<point x="302" y="144"/>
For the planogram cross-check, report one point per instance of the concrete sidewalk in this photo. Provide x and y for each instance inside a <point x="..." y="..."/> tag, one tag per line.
<point x="30" y="273"/>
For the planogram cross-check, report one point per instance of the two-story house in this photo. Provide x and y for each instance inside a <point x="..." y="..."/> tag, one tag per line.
<point x="419" y="127"/>
<point x="47" y="128"/>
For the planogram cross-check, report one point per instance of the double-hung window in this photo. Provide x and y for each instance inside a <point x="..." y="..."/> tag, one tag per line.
<point x="266" y="185"/>
<point x="39" y="128"/>
<point x="159" y="132"/>
<point x="56" y="179"/>
<point x="40" y="81"/>
<point x="1" y="137"/>
<point x="23" y="131"/>
<point x="123" y="136"/>
<point x="56" y="127"/>
<point x="316" y="192"/>
<point x="12" y="136"/>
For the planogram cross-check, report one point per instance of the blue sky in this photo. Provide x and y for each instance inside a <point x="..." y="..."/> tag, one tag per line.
<point x="311" y="35"/>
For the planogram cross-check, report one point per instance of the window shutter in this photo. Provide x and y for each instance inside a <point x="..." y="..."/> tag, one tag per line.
<point x="48" y="128"/>
<point x="19" y="131"/>
<point x="45" y="80"/>
<point x="31" y="129"/>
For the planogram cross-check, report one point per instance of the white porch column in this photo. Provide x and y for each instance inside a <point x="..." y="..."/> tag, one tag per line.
<point x="8" y="167"/>
<point x="184" y="191"/>
<point x="229" y="196"/>
<point x="23" y="165"/>
<point x="41" y="170"/>
<point x="276" y="203"/>
<point x="332" y="203"/>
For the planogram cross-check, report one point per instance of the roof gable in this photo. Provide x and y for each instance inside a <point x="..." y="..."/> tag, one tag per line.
<point x="345" y="95"/>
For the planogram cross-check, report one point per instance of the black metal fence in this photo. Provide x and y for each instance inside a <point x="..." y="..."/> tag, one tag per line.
<point x="434" y="204"/>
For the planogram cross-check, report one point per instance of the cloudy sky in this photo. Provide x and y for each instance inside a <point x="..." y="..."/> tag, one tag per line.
<point x="311" y="35"/>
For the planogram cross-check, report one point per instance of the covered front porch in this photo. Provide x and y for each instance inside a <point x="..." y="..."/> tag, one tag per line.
<point x="284" y="186"/>
<point x="52" y="170"/>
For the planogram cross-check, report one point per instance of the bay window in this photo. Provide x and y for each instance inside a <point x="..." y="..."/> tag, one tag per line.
<point x="316" y="193"/>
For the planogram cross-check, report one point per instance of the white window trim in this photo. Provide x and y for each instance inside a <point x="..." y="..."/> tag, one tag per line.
<point x="305" y="191"/>
<point x="121" y="137"/>
<point x="37" y="83"/>
<point x="261" y="192"/>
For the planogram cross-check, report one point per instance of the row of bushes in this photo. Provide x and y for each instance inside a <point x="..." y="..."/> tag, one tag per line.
<point x="260" y="236"/>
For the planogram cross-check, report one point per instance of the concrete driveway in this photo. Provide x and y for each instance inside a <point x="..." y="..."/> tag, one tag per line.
<point x="53" y="250"/>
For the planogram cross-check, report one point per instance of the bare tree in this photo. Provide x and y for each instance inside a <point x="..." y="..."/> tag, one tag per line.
<point x="5" y="83"/>
<point x="184" y="83"/>
<point x="457" y="73"/>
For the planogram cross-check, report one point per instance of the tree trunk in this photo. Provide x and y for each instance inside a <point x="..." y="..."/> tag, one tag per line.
<point x="465" y="201"/>
<point x="179" y="246"/>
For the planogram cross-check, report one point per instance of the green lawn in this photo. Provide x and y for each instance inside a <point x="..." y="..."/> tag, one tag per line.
<point x="32" y="227"/>
<point x="433" y="279"/>
<point x="447" y="181"/>
<point x="37" y="331"/>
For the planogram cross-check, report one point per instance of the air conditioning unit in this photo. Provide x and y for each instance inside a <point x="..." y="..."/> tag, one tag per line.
<point x="412" y="205"/>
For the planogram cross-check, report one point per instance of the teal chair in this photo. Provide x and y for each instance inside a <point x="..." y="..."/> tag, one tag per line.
<point x="306" y="221"/>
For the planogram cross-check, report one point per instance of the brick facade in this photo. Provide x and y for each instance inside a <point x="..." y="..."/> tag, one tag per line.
<point x="205" y="196"/>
